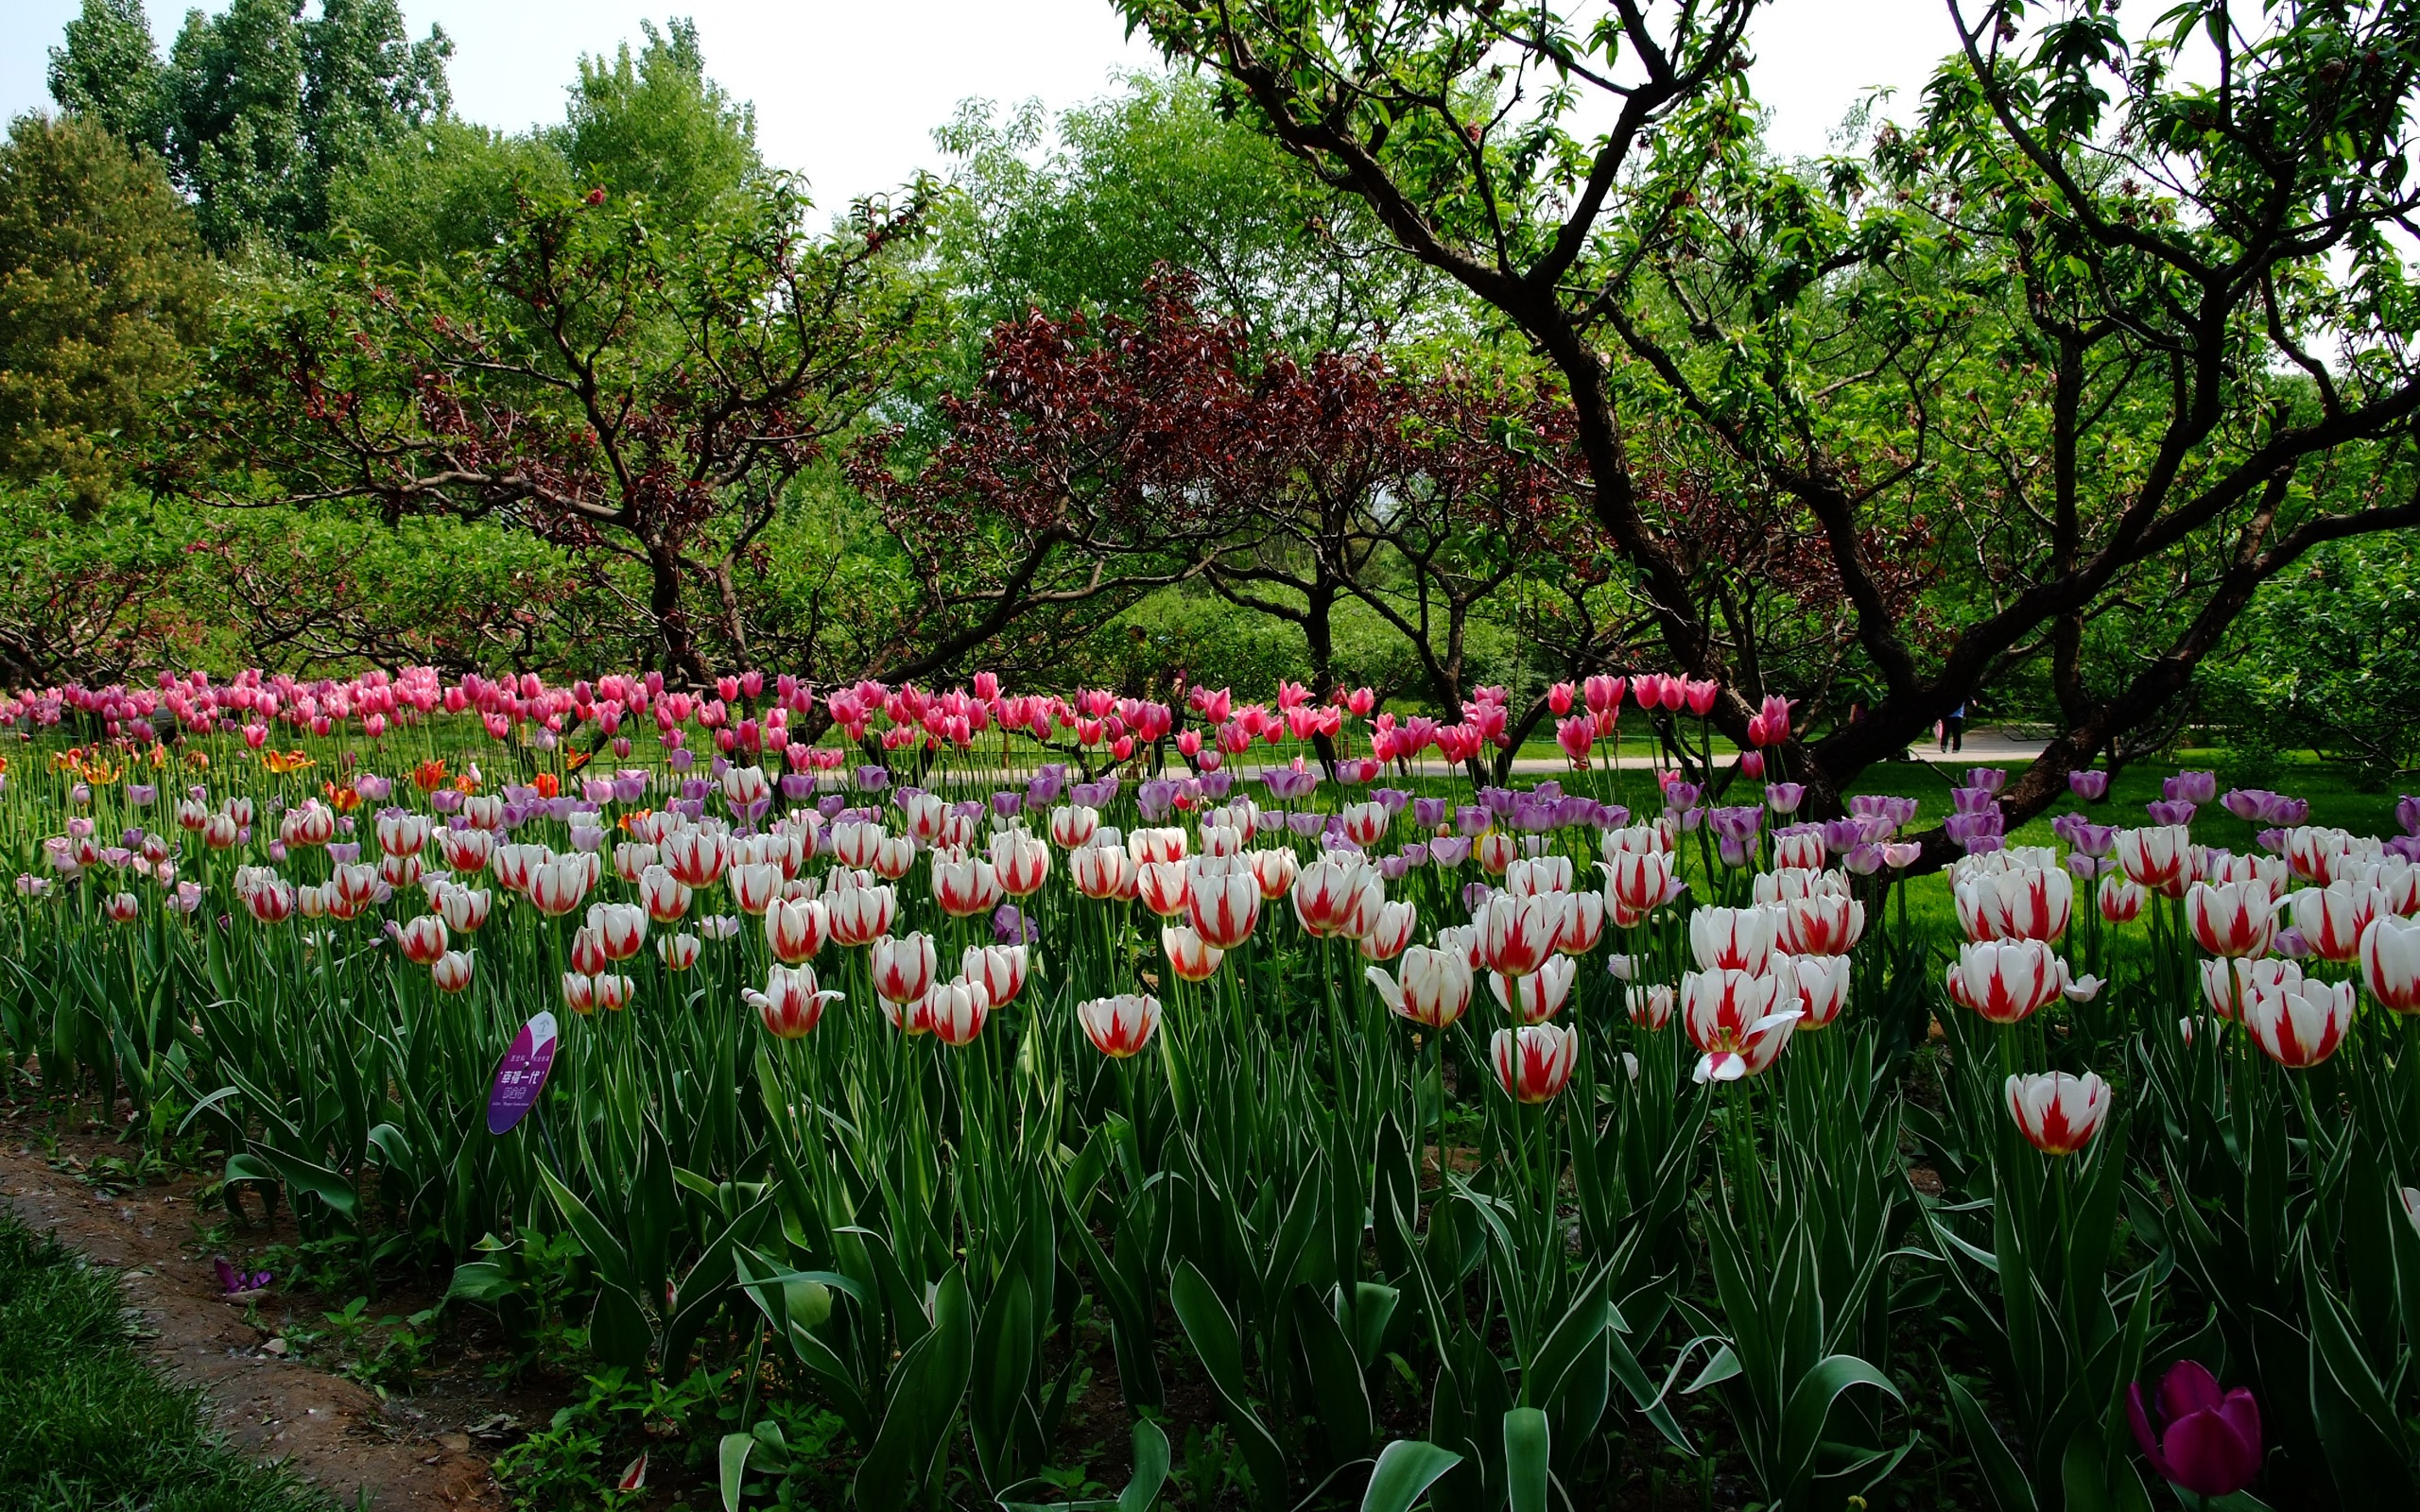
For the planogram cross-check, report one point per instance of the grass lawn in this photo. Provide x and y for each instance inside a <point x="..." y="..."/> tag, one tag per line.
<point x="91" y="1425"/>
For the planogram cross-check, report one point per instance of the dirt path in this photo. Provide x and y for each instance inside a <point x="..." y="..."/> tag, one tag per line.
<point x="411" y="1456"/>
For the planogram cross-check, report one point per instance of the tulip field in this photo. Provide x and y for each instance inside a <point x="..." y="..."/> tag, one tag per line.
<point x="1347" y="1131"/>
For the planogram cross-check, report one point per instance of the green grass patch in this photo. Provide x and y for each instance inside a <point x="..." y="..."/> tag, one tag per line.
<point x="91" y="1425"/>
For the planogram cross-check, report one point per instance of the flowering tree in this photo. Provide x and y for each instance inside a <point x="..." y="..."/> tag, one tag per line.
<point x="2084" y="297"/>
<point x="643" y="395"/>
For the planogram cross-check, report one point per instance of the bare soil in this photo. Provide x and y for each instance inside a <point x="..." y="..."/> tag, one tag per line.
<point x="409" y="1455"/>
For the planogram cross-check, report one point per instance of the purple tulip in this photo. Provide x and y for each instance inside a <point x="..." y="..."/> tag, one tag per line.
<point x="1010" y="925"/>
<point x="1844" y="835"/>
<point x="1450" y="850"/>
<point x="1415" y="854"/>
<point x="1474" y="896"/>
<point x="2170" y="810"/>
<point x="1216" y="783"/>
<point x="2406" y="846"/>
<point x="1738" y="825"/>
<point x="1682" y="796"/>
<point x="2193" y="788"/>
<point x="2247" y="803"/>
<point x="235" y="1282"/>
<point x="1783" y="797"/>
<point x="869" y="778"/>
<point x="2407" y="813"/>
<point x="1972" y="830"/>
<point x="1973" y="800"/>
<point x="1990" y="778"/>
<point x="796" y="786"/>
<point x="2090" y="786"/>
<point x="1733" y="852"/>
<point x="1429" y="813"/>
<point x="1394" y="799"/>
<point x="2202" y="1441"/>
<point x="1890" y="810"/>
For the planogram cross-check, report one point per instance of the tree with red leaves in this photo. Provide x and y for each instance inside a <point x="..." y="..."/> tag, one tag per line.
<point x="644" y="395"/>
<point x="1094" y="464"/>
<point x="2131" y="341"/>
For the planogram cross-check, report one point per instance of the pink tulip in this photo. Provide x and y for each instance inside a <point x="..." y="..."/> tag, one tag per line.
<point x="451" y="971"/>
<point x="2121" y="902"/>
<point x="2235" y="919"/>
<point x="966" y="886"/>
<point x="1001" y="968"/>
<point x="1517" y="935"/>
<point x="2005" y="981"/>
<point x="1431" y="986"/>
<point x="2391" y="963"/>
<point x="1275" y="871"/>
<point x="955" y="1012"/>
<point x="422" y="939"/>
<point x="1222" y="900"/>
<point x="1534" y="1064"/>
<point x="1189" y="958"/>
<point x="795" y="930"/>
<point x="1736" y="939"/>
<point x="1119" y="1026"/>
<point x="1733" y="1019"/>
<point x="2157" y="857"/>
<point x="903" y="969"/>
<point x="1540" y="995"/>
<point x="2298" y="1020"/>
<point x="2057" y="1114"/>
<point x="792" y="1002"/>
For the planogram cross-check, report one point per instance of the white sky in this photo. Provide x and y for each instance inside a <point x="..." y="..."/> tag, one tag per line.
<point x="848" y="92"/>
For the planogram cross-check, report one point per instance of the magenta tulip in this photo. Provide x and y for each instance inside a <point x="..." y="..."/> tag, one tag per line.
<point x="2202" y="1441"/>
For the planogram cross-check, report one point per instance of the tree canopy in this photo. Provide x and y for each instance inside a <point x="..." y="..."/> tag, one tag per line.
<point x="102" y="288"/>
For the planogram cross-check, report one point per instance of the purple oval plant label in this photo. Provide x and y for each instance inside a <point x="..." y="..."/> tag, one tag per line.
<point x="523" y="1073"/>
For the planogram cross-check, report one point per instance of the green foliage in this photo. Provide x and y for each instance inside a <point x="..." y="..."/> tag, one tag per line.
<point x="2327" y="661"/>
<point x="102" y="288"/>
<point x="1077" y="213"/>
<point x="139" y="584"/>
<point x="90" y="1425"/>
<point x="656" y="126"/>
<point x="109" y="71"/>
<point x="258" y="108"/>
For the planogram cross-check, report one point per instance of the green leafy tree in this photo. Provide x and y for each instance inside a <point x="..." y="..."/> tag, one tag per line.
<point x="103" y="288"/>
<point x="260" y="107"/>
<point x="2166" y="261"/>
<point x="651" y="129"/>
<point x="657" y="128"/>
<point x="639" y="399"/>
<point x="108" y="70"/>
<point x="1081" y="212"/>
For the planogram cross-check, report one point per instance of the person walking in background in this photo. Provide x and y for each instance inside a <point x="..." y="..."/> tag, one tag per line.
<point x="1953" y="730"/>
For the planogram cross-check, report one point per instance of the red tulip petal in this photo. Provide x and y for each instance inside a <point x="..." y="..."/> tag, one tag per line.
<point x="2188" y="1387"/>
<point x="2144" y="1434"/>
<point x="2205" y="1457"/>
